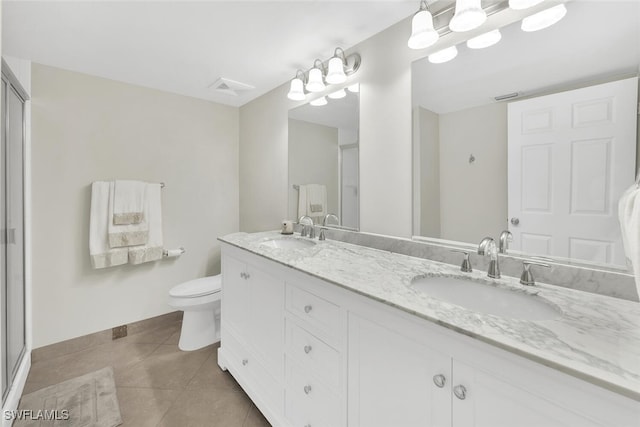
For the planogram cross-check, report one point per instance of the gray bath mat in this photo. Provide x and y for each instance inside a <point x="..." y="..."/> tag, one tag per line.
<point x="86" y="401"/>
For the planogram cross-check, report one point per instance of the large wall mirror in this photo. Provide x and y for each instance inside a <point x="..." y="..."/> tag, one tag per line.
<point x="549" y="163"/>
<point x="324" y="161"/>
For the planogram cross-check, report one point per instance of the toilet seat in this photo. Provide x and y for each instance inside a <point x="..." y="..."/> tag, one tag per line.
<point x="197" y="287"/>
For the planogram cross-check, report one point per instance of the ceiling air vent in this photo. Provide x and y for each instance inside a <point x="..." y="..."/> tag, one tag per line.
<point x="230" y="87"/>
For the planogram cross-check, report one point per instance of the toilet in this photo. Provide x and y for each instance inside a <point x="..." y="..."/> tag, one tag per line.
<point x="200" y="301"/>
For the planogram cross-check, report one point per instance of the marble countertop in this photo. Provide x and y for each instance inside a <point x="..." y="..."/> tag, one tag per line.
<point x="596" y="338"/>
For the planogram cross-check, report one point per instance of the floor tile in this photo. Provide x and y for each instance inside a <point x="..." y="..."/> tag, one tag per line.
<point x="144" y="407"/>
<point x="210" y="376"/>
<point x="167" y="368"/>
<point x="255" y="418"/>
<point x="208" y="408"/>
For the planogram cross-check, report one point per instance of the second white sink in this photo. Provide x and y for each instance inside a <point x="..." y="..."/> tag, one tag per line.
<point x="485" y="298"/>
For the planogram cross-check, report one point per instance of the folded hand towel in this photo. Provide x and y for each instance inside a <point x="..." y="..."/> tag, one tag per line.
<point x="629" y="215"/>
<point x="125" y="235"/>
<point x="128" y="202"/>
<point x="101" y="254"/>
<point x="152" y="251"/>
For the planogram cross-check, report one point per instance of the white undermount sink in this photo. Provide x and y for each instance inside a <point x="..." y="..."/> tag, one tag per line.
<point x="485" y="298"/>
<point x="288" y="243"/>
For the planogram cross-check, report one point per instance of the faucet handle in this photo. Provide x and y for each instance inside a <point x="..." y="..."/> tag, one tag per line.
<point x="527" y="278"/>
<point x="466" y="263"/>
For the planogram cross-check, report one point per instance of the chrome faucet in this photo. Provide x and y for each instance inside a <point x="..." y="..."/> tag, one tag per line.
<point x="505" y="238"/>
<point x="329" y="216"/>
<point x="488" y="247"/>
<point x="307" y="229"/>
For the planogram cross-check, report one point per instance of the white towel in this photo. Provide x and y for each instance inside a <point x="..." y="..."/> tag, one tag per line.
<point x="101" y="254"/>
<point x="152" y="251"/>
<point x="629" y="215"/>
<point x="125" y="235"/>
<point x="312" y="201"/>
<point x="128" y="202"/>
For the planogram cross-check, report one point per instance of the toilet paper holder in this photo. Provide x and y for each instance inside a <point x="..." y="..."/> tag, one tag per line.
<point x="170" y="253"/>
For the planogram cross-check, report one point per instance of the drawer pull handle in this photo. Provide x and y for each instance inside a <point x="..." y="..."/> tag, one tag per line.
<point x="307" y="308"/>
<point x="460" y="391"/>
<point x="307" y="389"/>
<point x="439" y="380"/>
<point x="307" y="349"/>
<point x="245" y="362"/>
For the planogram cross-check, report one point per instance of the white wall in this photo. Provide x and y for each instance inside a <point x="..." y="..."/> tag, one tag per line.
<point x="473" y="196"/>
<point x="313" y="159"/>
<point x="86" y="129"/>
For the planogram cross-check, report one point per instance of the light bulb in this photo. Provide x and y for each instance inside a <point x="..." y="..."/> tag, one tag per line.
<point x="336" y="74"/>
<point x="337" y="94"/>
<point x="544" y="19"/>
<point x="484" y="40"/>
<point x="315" y="83"/>
<point x="523" y="4"/>
<point x="319" y="102"/>
<point x="443" y="55"/>
<point x="469" y="15"/>
<point x="296" y="92"/>
<point x="423" y="34"/>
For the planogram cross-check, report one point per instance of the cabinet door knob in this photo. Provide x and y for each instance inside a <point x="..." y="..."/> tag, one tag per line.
<point x="244" y="362"/>
<point x="460" y="391"/>
<point x="307" y="389"/>
<point x="307" y="308"/>
<point x="307" y="349"/>
<point x="439" y="380"/>
<point x="243" y="275"/>
<point x="247" y="276"/>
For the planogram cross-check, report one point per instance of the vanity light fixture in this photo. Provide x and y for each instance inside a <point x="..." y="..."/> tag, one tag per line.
<point x="544" y="19"/>
<point x="523" y="4"/>
<point x="337" y="94"/>
<point x="423" y="34"/>
<point x="335" y="73"/>
<point x="319" y="102"/>
<point x="337" y="68"/>
<point x="315" y="82"/>
<point x="296" y="91"/>
<point x="443" y="55"/>
<point x="468" y="16"/>
<point x="484" y="40"/>
<point x="354" y="88"/>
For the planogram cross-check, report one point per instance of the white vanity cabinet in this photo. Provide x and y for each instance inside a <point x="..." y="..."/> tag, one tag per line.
<point x="404" y="372"/>
<point x="313" y="354"/>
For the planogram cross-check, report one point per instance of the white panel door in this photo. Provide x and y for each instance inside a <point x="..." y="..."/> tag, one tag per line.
<point x="391" y="379"/>
<point x="571" y="156"/>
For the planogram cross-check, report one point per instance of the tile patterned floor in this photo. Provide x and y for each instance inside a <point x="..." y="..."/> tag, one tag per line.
<point x="157" y="384"/>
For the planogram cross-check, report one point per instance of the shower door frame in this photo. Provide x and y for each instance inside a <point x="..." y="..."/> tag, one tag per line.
<point x="11" y="372"/>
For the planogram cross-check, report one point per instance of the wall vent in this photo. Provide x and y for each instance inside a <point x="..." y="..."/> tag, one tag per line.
<point x="230" y="87"/>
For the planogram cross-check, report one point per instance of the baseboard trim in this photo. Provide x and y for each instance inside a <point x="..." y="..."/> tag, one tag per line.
<point x="84" y="342"/>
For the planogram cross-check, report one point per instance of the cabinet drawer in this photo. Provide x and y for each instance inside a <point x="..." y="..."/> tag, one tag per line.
<point x="315" y="310"/>
<point x="309" y="402"/>
<point x="314" y="355"/>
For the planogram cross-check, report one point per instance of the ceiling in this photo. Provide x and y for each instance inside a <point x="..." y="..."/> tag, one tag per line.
<point x="185" y="46"/>
<point x="596" y="41"/>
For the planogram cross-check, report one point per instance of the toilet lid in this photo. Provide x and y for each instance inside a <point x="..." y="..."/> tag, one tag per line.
<point x="197" y="287"/>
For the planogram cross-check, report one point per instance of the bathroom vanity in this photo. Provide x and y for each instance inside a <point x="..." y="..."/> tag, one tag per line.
<point x="334" y="334"/>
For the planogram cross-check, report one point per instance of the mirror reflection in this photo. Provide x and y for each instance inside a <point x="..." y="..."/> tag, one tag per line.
<point x="323" y="161"/>
<point x="551" y="161"/>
